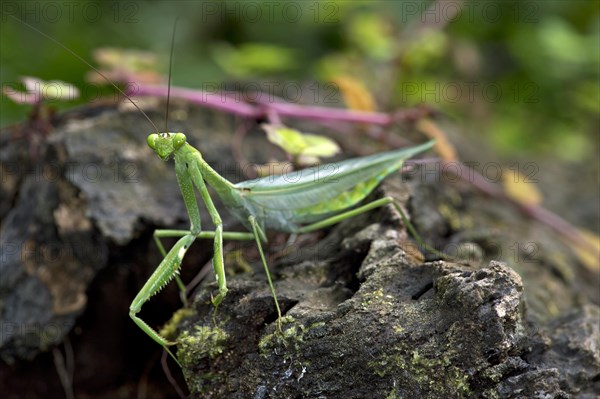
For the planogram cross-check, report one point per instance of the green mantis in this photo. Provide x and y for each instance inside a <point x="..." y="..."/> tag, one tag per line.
<point x="298" y="202"/>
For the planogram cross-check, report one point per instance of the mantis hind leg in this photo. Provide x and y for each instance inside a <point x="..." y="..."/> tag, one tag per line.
<point x="366" y="208"/>
<point x="258" y="236"/>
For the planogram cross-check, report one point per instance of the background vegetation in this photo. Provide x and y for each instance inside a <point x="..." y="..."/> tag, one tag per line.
<point x="523" y="75"/>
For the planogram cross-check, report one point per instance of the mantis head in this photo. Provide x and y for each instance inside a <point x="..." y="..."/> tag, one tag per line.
<point x="165" y="144"/>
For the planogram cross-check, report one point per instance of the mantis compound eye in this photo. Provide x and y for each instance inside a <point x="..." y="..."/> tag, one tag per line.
<point x="178" y="140"/>
<point x="151" y="140"/>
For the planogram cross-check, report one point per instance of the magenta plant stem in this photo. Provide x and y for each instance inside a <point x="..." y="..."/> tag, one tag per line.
<point x="222" y="102"/>
<point x="233" y="105"/>
<point x="536" y="212"/>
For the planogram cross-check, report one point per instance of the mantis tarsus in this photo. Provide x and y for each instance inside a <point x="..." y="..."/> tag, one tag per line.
<point x="298" y="202"/>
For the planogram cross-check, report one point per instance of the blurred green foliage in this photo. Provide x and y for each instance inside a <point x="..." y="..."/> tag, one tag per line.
<point x="252" y="59"/>
<point x="524" y="75"/>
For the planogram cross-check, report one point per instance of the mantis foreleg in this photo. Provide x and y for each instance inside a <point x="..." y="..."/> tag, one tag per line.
<point x="227" y="235"/>
<point x="158" y="234"/>
<point x="204" y="234"/>
<point x="180" y="284"/>
<point x="165" y="271"/>
<point x="169" y="267"/>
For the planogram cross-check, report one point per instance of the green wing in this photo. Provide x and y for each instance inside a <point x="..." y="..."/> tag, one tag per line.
<point x="306" y="191"/>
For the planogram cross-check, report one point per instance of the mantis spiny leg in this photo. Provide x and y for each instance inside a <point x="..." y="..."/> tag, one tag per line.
<point x="161" y="233"/>
<point x="158" y="234"/>
<point x="165" y="271"/>
<point x="168" y="269"/>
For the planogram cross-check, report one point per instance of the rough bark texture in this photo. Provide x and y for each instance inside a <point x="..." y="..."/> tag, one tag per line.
<point x="366" y="315"/>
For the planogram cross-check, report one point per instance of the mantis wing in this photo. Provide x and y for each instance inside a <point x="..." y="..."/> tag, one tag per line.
<point x="341" y="184"/>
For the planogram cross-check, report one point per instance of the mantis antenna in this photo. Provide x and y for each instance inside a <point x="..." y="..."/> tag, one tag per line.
<point x="170" y="69"/>
<point x="73" y="53"/>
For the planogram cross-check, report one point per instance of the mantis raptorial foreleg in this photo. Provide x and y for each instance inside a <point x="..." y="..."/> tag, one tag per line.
<point x="169" y="267"/>
<point x="226" y="235"/>
<point x="161" y="233"/>
<point x="158" y="234"/>
<point x="188" y="175"/>
<point x="165" y="271"/>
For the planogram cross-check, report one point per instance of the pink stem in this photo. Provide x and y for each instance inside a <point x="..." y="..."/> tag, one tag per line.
<point x="329" y="114"/>
<point x="233" y="105"/>
<point x="536" y="212"/>
<point x="222" y="102"/>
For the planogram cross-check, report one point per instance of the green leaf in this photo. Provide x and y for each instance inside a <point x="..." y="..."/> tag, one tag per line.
<point x="290" y="140"/>
<point x="320" y="146"/>
<point x="297" y="144"/>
